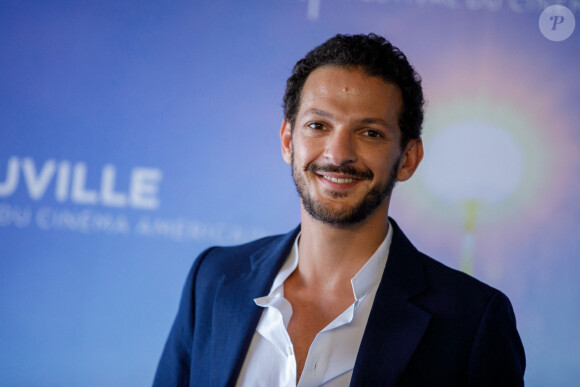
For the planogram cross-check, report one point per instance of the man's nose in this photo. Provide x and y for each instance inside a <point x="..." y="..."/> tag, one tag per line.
<point x="340" y="148"/>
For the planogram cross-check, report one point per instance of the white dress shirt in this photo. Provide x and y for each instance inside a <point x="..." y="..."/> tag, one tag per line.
<point x="270" y="360"/>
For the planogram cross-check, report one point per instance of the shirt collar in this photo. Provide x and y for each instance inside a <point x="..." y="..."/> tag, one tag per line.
<point x="288" y="268"/>
<point x="369" y="276"/>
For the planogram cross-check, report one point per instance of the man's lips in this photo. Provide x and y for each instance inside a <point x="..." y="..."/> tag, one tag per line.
<point x="338" y="180"/>
<point x="340" y="175"/>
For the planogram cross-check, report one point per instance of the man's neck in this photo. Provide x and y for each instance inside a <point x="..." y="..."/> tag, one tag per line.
<point x="337" y="253"/>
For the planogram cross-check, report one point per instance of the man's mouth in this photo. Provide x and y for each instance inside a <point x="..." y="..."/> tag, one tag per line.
<point x="339" y="175"/>
<point x="338" y="180"/>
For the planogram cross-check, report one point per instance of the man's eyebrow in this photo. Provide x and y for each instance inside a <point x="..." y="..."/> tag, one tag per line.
<point x="319" y="112"/>
<point x="379" y="121"/>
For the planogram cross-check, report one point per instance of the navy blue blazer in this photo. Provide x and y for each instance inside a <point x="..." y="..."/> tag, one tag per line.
<point x="429" y="325"/>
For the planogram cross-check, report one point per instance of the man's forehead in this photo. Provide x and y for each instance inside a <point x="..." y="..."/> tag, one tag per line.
<point x="331" y="77"/>
<point x="337" y="88"/>
<point x="333" y="69"/>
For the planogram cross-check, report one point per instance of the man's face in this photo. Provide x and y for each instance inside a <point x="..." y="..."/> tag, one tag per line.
<point x="345" y="145"/>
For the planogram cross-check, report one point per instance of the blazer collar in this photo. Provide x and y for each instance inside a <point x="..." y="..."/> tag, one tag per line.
<point x="395" y="326"/>
<point x="235" y="313"/>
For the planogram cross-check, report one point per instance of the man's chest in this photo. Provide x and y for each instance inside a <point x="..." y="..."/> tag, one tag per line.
<point x="307" y="321"/>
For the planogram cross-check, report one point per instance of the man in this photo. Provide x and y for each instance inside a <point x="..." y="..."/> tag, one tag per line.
<point x="344" y="299"/>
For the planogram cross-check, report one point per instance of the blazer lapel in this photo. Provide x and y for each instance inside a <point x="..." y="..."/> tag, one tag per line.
<point x="235" y="313"/>
<point x="395" y="325"/>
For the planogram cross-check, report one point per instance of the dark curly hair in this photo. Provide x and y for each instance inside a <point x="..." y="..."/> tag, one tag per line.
<point x="377" y="57"/>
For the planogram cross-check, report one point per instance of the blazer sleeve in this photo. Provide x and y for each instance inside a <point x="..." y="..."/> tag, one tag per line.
<point x="497" y="356"/>
<point x="174" y="366"/>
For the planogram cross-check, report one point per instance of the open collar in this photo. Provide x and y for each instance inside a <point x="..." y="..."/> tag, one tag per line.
<point x="394" y="329"/>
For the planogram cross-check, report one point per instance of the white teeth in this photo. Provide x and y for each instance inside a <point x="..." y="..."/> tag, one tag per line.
<point x="339" y="181"/>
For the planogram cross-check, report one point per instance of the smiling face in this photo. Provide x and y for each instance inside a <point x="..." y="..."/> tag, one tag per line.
<point x="345" y="145"/>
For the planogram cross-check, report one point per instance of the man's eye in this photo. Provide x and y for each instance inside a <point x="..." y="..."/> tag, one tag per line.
<point x="372" y="133"/>
<point x="316" y="126"/>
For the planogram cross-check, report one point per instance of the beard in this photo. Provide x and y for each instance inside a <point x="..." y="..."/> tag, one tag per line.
<point x="345" y="216"/>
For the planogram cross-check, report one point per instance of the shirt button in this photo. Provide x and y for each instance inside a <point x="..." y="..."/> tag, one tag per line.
<point x="289" y="351"/>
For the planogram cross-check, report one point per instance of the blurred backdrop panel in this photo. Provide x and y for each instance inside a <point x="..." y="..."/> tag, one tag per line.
<point x="135" y="134"/>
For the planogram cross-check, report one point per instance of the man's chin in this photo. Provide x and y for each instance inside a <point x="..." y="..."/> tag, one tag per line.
<point x="338" y="216"/>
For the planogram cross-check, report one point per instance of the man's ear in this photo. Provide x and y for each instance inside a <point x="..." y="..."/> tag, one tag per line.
<point x="286" y="140"/>
<point x="410" y="159"/>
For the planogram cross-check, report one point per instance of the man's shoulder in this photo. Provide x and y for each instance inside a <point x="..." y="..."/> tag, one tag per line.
<point x="440" y="279"/>
<point x="445" y="278"/>
<point x="454" y="293"/>
<point x="221" y="259"/>
<point x="244" y="248"/>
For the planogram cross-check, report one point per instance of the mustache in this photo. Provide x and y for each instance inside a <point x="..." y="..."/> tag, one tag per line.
<point x="362" y="174"/>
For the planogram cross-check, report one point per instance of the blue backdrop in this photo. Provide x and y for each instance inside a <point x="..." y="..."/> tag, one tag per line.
<point x="135" y="134"/>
